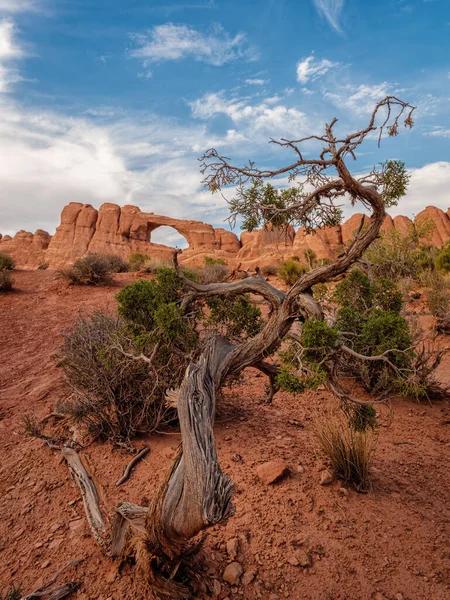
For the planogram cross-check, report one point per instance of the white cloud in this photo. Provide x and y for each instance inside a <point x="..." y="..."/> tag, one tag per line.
<point x="429" y="185"/>
<point x="310" y="68"/>
<point x="266" y="118"/>
<point x="440" y="132"/>
<point x="256" y="81"/>
<point x="331" y="10"/>
<point x="9" y="52"/>
<point x="16" y="6"/>
<point x="175" y="42"/>
<point x="360" y="99"/>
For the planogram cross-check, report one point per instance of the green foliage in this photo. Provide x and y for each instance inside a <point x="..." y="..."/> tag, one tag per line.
<point x="320" y="292"/>
<point x="362" y="417"/>
<point x="310" y="257"/>
<point x="394" y="255"/>
<point x="288" y="380"/>
<point x="260" y="204"/>
<point x="6" y="262"/>
<point x="92" y="269"/>
<point x="137" y="260"/>
<point x="443" y="260"/>
<point x="290" y="271"/>
<point x="6" y="281"/>
<point x="319" y="339"/>
<point x="213" y="261"/>
<point x="139" y="302"/>
<point x="394" y="179"/>
<point x="386" y="295"/>
<point x="237" y="318"/>
<point x="355" y="291"/>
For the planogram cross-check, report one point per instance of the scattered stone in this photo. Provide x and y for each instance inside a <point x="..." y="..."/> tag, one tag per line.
<point x="344" y="491"/>
<point x="232" y="573"/>
<point x="38" y="545"/>
<point x="304" y="559"/>
<point x="217" y="587"/>
<point x="379" y="596"/>
<point x="45" y="564"/>
<point x="248" y="577"/>
<point x="399" y="596"/>
<point x="326" y="478"/>
<point x="233" y="548"/>
<point x="300" y="469"/>
<point x="272" y="471"/>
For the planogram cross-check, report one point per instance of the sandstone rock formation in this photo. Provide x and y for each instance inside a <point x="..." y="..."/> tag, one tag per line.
<point x="124" y="230"/>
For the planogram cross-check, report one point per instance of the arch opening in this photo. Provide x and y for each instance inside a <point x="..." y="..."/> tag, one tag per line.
<point x="169" y="236"/>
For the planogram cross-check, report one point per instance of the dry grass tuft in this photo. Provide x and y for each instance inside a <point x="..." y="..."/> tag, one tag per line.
<point x="350" y="452"/>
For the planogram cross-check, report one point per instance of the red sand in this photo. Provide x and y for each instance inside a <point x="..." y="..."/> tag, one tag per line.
<point x="393" y="541"/>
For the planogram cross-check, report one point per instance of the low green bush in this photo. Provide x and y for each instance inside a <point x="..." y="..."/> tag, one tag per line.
<point x="92" y="269"/>
<point x="290" y="271"/>
<point x="6" y="262"/>
<point x="6" y="281"/>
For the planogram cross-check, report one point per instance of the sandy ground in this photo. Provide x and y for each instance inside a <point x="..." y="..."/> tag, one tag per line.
<point x="391" y="543"/>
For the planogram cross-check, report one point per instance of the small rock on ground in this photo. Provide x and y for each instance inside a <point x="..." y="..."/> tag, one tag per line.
<point x="232" y="573"/>
<point x="272" y="471"/>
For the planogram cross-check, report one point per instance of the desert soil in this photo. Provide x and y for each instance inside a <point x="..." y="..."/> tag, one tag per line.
<point x="390" y="543"/>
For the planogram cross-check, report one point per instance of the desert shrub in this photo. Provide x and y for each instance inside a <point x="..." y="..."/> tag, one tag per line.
<point x="13" y="592"/>
<point x="6" y="262"/>
<point x="350" y="452"/>
<point x="209" y="261"/>
<point x="289" y="379"/>
<point x="394" y="255"/>
<point x="267" y="270"/>
<point x="236" y="317"/>
<point x="114" y="396"/>
<point x="387" y="296"/>
<point x="310" y="257"/>
<point x="443" y="259"/>
<point x="355" y="291"/>
<point x="6" y="281"/>
<point x="137" y="260"/>
<point x="320" y="292"/>
<point x="439" y="301"/>
<point x="318" y="338"/>
<point x="290" y="271"/>
<point x="212" y="273"/>
<point x="424" y="257"/>
<point x="92" y="269"/>
<point x="117" y="264"/>
<point x="152" y="265"/>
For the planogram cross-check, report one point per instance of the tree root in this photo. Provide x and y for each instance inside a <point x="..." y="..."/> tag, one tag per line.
<point x="133" y="462"/>
<point x="60" y="591"/>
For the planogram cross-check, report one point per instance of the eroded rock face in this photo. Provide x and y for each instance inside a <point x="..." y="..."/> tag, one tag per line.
<point x="125" y="230"/>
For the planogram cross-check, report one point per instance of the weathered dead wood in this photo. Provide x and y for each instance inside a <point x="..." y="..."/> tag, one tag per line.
<point x="133" y="462"/>
<point x="128" y="515"/>
<point x="88" y="493"/>
<point x="60" y="591"/>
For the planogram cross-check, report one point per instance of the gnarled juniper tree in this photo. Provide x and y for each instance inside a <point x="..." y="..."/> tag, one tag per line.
<point x="196" y="493"/>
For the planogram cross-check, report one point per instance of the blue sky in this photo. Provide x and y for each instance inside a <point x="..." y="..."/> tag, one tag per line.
<point x="114" y="100"/>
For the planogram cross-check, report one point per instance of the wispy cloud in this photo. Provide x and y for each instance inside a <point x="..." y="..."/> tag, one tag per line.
<point x="331" y="10"/>
<point x="16" y="6"/>
<point x="10" y="50"/>
<point x="256" y="120"/>
<point x="256" y="81"/>
<point x="311" y="68"/>
<point x="359" y="99"/>
<point x="176" y="42"/>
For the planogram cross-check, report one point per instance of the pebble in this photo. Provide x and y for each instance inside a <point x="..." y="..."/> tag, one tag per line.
<point x="272" y="471"/>
<point x="248" y="577"/>
<point x="326" y="478"/>
<point x="232" y="573"/>
<point x="233" y="548"/>
<point x="45" y="564"/>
